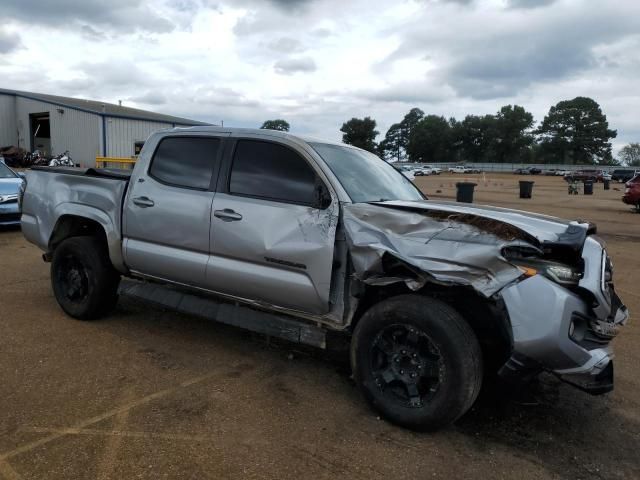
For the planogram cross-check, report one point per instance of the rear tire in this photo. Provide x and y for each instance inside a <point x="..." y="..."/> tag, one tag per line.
<point x="84" y="281"/>
<point x="416" y="361"/>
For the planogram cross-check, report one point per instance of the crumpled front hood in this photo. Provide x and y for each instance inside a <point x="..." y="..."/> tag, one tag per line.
<point x="442" y="242"/>
<point x="542" y="227"/>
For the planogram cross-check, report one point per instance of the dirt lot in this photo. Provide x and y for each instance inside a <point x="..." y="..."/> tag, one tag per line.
<point x="150" y="394"/>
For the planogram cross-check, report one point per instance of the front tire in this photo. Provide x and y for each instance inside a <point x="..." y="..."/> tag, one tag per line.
<point x="416" y="361"/>
<point x="84" y="281"/>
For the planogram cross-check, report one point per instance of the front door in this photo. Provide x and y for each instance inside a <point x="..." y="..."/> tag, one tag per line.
<point x="270" y="240"/>
<point x="168" y="211"/>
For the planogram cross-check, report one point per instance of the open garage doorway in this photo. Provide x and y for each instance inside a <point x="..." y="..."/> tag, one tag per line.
<point x="40" y="132"/>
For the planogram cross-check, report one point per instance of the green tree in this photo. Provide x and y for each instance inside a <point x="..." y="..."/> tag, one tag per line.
<point x="576" y="131"/>
<point x="431" y="140"/>
<point x="609" y="162"/>
<point x="409" y="122"/>
<point x="277" y="124"/>
<point x="360" y="132"/>
<point x="512" y="135"/>
<point x="392" y="147"/>
<point x="476" y="137"/>
<point x="630" y="155"/>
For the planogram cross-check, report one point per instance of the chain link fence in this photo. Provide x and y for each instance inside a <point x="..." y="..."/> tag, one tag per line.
<point x="510" y="167"/>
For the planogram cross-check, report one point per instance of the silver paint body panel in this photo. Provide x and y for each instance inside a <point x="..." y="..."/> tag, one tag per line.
<point x="245" y="253"/>
<point x="49" y="197"/>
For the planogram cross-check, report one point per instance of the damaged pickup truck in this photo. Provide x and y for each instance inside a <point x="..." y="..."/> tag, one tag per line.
<point x="301" y="239"/>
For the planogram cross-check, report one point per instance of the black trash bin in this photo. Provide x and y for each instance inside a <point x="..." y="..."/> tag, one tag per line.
<point x="526" y="188"/>
<point x="606" y="182"/>
<point x="464" y="192"/>
<point x="588" y="187"/>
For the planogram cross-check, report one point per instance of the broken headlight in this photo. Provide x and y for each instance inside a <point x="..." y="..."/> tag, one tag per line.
<point x="565" y="275"/>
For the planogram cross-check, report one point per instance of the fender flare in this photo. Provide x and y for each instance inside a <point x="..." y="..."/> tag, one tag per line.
<point x="102" y="218"/>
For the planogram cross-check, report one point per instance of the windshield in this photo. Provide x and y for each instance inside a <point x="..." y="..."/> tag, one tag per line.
<point x="365" y="177"/>
<point x="6" y="172"/>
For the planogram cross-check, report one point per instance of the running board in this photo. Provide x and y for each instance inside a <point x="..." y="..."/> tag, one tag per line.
<point x="234" y="314"/>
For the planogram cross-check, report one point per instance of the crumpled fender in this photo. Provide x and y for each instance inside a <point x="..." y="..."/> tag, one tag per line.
<point x="390" y="245"/>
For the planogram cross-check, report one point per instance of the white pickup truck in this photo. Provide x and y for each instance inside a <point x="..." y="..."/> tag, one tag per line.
<point x="300" y="238"/>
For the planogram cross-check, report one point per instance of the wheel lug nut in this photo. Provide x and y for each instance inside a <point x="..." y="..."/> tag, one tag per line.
<point x="413" y="375"/>
<point x="404" y="352"/>
<point x="415" y="355"/>
<point x="401" y="372"/>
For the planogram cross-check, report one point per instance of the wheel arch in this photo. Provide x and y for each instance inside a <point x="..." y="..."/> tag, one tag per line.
<point x="487" y="317"/>
<point x="88" y="223"/>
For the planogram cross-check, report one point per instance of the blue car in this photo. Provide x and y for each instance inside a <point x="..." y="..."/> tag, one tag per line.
<point x="10" y="185"/>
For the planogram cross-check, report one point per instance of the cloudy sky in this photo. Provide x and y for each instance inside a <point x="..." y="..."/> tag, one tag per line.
<point x="317" y="63"/>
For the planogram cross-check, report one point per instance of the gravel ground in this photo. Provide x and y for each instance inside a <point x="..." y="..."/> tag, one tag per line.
<point x="146" y="393"/>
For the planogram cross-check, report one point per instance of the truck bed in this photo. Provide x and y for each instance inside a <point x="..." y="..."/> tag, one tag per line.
<point x="60" y="194"/>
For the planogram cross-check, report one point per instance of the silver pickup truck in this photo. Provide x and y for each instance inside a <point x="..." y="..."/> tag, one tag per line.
<point x="306" y="239"/>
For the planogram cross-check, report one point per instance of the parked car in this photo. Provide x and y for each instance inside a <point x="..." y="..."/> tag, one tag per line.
<point x="623" y="175"/>
<point x="527" y="171"/>
<point x="320" y="237"/>
<point x="409" y="174"/>
<point x="583" y="175"/>
<point x="632" y="192"/>
<point x="432" y="170"/>
<point x="562" y="173"/>
<point x="551" y="172"/>
<point x="464" y="169"/>
<point x="406" y="171"/>
<point x="420" y="171"/>
<point x="10" y="185"/>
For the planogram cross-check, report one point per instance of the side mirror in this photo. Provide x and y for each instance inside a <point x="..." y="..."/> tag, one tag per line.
<point x="22" y="175"/>
<point x="322" y="197"/>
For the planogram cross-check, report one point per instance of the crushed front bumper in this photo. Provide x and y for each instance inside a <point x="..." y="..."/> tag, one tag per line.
<point x="557" y="330"/>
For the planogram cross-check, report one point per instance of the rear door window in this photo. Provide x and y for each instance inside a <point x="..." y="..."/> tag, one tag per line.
<point x="187" y="162"/>
<point x="271" y="171"/>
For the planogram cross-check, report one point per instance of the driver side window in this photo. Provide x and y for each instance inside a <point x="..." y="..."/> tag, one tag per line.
<point x="272" y="171"/>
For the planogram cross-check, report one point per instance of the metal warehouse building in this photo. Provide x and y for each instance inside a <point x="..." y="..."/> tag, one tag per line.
<point x="86" y="128"/>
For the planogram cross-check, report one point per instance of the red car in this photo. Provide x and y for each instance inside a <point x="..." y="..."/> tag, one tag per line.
<point x="632" y="192"/>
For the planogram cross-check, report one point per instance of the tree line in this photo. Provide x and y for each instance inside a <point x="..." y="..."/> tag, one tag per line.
<point x="573" y="132"/>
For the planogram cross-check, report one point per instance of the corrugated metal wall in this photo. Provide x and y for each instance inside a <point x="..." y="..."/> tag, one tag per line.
<point x="76" y="131"/>
<point x="123" y="133"/>
<point x="8" y="127"/>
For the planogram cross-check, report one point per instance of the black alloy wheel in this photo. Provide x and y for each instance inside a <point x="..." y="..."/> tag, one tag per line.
<point x="406" y="364"/>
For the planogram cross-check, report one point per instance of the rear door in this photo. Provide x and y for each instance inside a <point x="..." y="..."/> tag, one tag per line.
<point x="271" y="239"/>
<point x="168" y="210"/>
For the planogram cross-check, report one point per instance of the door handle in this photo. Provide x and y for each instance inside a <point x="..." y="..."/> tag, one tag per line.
<point x="227" y="215"/>
<point x="143" y="202"/>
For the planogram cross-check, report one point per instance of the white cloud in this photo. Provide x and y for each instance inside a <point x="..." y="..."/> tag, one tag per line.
<point x="317" y="63"/>
<point x="9" y="41"/>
